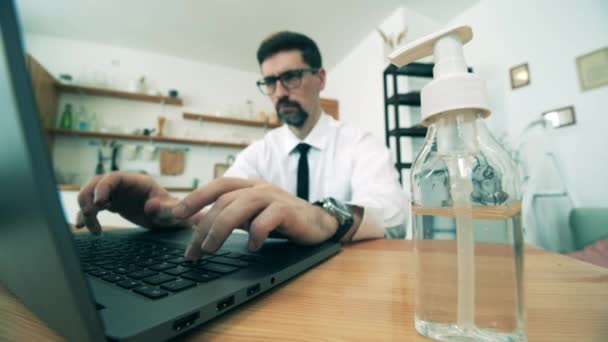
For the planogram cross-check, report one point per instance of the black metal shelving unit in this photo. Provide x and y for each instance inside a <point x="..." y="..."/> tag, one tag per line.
<point x="396" y="100"/>
<point x="412" y="99"/>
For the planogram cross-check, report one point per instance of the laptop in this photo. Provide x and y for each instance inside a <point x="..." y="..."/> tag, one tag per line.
<point x="130" y="284"/>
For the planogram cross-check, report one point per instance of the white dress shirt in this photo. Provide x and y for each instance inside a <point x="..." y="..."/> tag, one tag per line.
<point x="344" y="162"/>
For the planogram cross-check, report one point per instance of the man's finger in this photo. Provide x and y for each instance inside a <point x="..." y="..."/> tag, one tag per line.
<point x="268" y="220"/>
<point x="104" y="188"/>
<point x="202" y="227"/>
<point x="79" y="220"/>
<point x="85" y="197"/>
<point x="247" y="205"/>
<point x="91" y="222"/>
<point x="208" y="194"/>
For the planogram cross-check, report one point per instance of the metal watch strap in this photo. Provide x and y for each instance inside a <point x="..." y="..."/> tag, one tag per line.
<point x="344" y="223"/>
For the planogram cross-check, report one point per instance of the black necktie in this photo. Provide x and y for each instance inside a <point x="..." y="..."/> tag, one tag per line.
<point x="303" y="171"/>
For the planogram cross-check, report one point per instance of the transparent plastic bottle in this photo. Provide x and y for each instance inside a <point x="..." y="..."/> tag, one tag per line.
<point x="466" y="206"/>
<point x="493" y="218"/>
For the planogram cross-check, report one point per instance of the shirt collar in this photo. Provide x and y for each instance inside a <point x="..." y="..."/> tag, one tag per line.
<point x="317" y="138"/>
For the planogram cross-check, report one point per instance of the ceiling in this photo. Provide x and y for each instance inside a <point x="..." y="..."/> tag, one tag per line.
<point x="225" y="32"/>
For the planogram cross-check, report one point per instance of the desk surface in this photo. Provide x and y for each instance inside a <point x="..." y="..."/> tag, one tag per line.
<point x="366" y="294"/>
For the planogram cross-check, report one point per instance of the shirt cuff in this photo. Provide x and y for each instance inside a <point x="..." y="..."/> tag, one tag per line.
<point x="372" y="224"/>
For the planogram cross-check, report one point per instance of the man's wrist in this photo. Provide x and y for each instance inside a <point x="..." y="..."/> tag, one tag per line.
<point x="342" y="214"/>
<point x="329" y="224"/>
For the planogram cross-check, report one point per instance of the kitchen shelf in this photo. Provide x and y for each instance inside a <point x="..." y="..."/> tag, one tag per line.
<point x="74" y="133"/>
<point x="76" y="187"/>
<point x="232" y="121"/>
<point x="69" y="88"/>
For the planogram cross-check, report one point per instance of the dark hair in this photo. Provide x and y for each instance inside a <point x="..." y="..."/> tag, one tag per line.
<point x="286" y="41"/>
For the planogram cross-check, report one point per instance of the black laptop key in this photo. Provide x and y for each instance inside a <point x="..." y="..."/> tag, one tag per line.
<point x="177" y="260"/>
<point x="112" y="278"/>
<point x="87" y="267"/>
<point x="101" y="262"/>
<point x="234" y="255"/>
<point x="252" y="258"/>
<point x="176" y="251"/>
<point x="98" y="273"/>
<point x="128" y="284"/>
<point x="127" y="269"/>
<point x="151" y="292"/>
<point x="221" y="252"/>
<point x="193" y="263"/>
<point x="162" y="266"/>
<point x="165" y="257"/>
<point x="177" y="270"/>
<point x="219" y="268"/>
<point x="112" y="266"/>
<point x="200" y="276"/>
<point x="142" y="274"/>
<point x="148" y="262"/>
<point x="178" y="285"/>
<point x="158" y="279"/>
<point x="230" y="261"/>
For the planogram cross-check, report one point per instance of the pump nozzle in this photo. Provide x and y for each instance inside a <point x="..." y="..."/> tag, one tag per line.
<point x="452" y="88"/>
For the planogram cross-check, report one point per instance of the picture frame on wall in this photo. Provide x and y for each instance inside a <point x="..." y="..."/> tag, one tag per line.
<point x="592" y="69"/>
<point x="560" y="117"/>
<point x="519" y="75"/>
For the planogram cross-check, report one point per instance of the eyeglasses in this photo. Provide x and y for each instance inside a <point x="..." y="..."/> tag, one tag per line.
<point x="290" y="79"/>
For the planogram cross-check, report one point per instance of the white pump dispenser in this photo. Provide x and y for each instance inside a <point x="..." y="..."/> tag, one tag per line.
<point x="481" y="195"/>
<point x="453" y="87"/>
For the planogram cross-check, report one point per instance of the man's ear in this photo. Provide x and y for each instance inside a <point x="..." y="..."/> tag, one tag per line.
<point x="321" y="74"/>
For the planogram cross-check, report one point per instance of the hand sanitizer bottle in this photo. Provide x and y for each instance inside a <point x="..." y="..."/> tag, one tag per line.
<point x="466" y="206"/>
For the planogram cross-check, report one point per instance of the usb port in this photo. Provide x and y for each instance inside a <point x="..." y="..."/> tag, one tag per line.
<point x="224" y="303"/>
<point x="253" y="290"/>
<point x="186" y="321"/>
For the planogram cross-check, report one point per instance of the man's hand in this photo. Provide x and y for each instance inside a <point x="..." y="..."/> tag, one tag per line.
<point x="261" y="206"/>
<point x="136" y="197"/>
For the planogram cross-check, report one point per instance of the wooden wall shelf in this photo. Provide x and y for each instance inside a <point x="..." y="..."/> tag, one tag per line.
<point x="118" y="94"/>
<point x="74" y="133"/>
<point x="227" y="120"/>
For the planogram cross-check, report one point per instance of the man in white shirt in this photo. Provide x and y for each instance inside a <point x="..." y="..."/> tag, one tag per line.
<point x="311" y="180"/>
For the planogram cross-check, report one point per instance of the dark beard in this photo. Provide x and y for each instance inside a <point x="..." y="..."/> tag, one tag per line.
<point x="296" y="119"/>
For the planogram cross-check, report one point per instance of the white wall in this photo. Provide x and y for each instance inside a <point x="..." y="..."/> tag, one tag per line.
<point x="548" y="36"/>
<point x="357" y="81"/>
<point x="204" y="88"/>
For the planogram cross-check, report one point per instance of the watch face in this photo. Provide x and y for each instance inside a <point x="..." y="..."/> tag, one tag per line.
<point x="343" y="210"/>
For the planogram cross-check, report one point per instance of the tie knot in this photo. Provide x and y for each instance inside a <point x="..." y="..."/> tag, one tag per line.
<point x="303" y="148"/>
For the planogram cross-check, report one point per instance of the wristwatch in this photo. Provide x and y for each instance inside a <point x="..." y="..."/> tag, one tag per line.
<point x="341" y="211"/>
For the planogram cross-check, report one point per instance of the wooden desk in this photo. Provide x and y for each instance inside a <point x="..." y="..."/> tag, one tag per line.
<point x="366" y="294"/>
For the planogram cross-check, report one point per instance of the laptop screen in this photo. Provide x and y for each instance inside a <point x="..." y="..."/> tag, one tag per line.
<point x="37" y="258"/>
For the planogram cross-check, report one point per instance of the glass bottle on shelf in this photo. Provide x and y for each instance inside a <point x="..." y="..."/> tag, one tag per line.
<point x="67" y="118"/>
<point x="82" y="118"/>
<point x="94" y="123"/>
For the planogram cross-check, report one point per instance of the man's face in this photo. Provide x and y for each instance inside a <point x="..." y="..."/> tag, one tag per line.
<point x="293" y="106"/>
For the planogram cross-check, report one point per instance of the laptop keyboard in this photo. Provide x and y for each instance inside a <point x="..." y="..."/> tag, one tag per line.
<point x="151" y="268"/>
